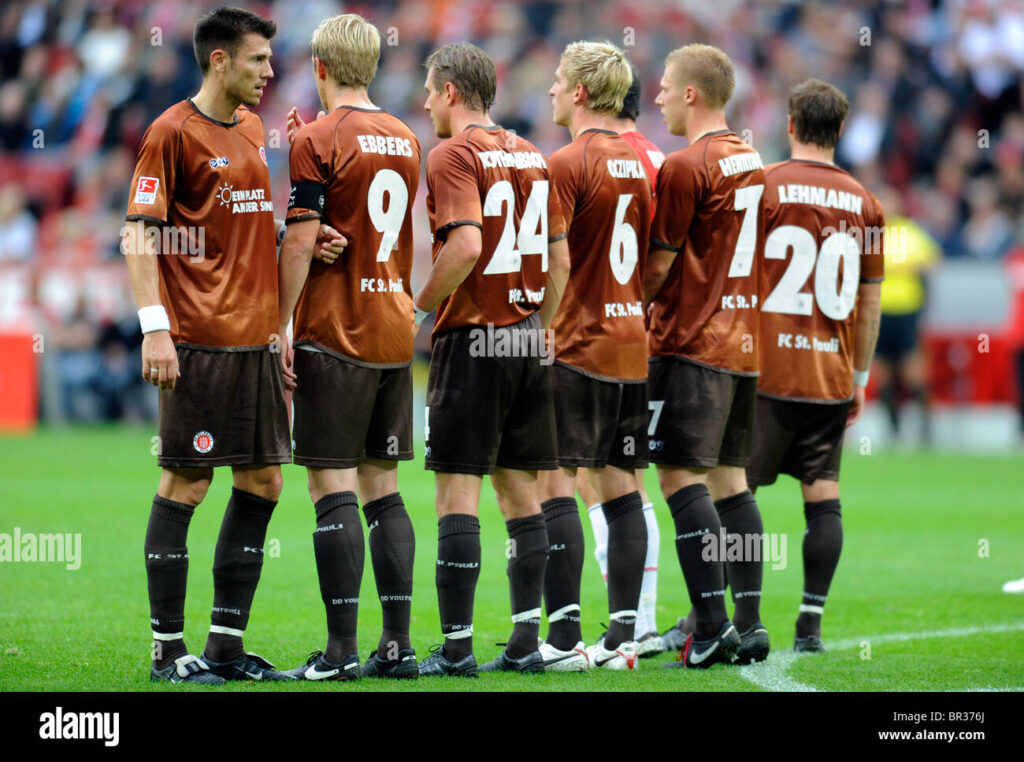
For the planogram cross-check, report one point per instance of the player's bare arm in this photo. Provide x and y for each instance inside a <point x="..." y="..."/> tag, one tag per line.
<point x="329" y="242"/>
<point x="559" y="266"/>
<point x="292" y="271"/>
<point x="869" y="316"/>
<point x="159" y="357"/>
<point x="454" y="263"/>
<point x="659" y="262"/>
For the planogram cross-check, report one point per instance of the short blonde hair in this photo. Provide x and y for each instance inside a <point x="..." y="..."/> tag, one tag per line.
<point x="705" y="67"/>
<point x="603" y="70"/>
<point x="349" y="47"/>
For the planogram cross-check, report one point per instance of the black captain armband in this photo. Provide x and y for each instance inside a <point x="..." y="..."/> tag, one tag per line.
<point x="307" y="194"/>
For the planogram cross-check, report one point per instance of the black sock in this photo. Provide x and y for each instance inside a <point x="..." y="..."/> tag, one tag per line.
<point x="527" y="559"/>
<point x="167" y="575"/>
<point x="740" y="516"/>
<point x="564" y="572"/>
<point x="458" y="569"/>
<point x="627" y="552"/>
<point x="340" y="551"/>
<point x="823" y="542"/>
<point x="695" y="516"/>
<point x="392" y="551"/>
<point x="237" y="563"/>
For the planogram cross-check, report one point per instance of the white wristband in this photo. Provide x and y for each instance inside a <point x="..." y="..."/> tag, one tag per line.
<point x="154" y="318"/>
<point x="421" y="315"/>
<point x="860" y="377"/>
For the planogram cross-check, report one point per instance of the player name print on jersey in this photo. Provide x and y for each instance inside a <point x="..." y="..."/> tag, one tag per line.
<point x="824" y="238"/>
<point x="386" y="145"/>
<point x="491" y="178"/>
<point x="358" y="170"/>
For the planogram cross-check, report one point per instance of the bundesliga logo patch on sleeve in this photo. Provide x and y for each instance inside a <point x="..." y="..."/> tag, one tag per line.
<point x="145" y="191"/>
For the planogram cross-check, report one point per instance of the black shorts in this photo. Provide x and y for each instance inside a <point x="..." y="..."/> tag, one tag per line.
<point x="227" y="409"/>
<point x="600" y="423"/>
<point x="802" y="439"/>
<point x="346" y="413"/>
<point x="486" y="411"/>
<point x="897" y="336"/>
<point x="700" y="417"/>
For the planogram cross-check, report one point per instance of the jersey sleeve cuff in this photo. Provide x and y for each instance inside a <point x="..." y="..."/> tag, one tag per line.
<point x="303" y="217"/>
<point x="441" y="234"/>
<point x="559" y="237"/>
<point x="145" y="218"/>
<point x="871" y="280"/>
<point x="655" y="243"/>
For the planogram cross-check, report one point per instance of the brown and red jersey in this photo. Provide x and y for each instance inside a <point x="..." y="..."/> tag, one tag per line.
<point x="489" y="177"/>
<point x="709" y="210"/>
<point x="602" y="196"/>
<point x="207" y="185"/>
<point x="358" y="170"/>
<point x="824" y="238"/>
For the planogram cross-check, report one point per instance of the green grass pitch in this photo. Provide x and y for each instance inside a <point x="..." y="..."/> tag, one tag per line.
<point x="916" y="604"/>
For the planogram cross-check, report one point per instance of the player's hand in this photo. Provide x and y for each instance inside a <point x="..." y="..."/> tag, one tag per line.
<point x="329" y="244"/>
<point x="159" y="359"/>
<point x="856" y="406"/>
<point x="287" y="359"/>
<point x="293" y="123"/>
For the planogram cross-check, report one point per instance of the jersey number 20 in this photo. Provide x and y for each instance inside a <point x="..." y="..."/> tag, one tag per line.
<point x="833" y="300"/>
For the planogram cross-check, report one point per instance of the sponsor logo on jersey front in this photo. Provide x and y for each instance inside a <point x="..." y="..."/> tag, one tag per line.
<point x="145" y="191"/>
<point x="203" y="442"/>
<point x="218" y="162"/>
<point x="245" y="201"/>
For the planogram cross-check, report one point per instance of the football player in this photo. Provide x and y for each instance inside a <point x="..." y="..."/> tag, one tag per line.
<point x="489" y="400"/>
<point x="208" y="325"/>
<point x="823" y="267"/>
<point x="703" y="278"/>
<point x="357" y="167"/>
<point x="648" y="642"/>
<point x="602" y="196"/>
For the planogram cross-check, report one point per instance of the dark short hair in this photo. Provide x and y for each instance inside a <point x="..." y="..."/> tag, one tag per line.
<point x="818" y="110"/>
<point x="224" y="28"/>
<point x="631" y="103"/>
<point x="469" y="69"/>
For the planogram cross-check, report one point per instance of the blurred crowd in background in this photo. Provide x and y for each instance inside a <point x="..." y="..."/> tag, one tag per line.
<point x="936" y="128"/>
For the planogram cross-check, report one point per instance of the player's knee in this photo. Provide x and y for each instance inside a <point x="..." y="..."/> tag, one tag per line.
<point x="265" y="482"/>
<point x="821" y="489"/>
<point x="188" y="486"/>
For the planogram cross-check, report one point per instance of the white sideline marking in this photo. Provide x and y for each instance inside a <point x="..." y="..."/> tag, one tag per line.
<point x="900" y="637"/>
<point x="771" y="674"/>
